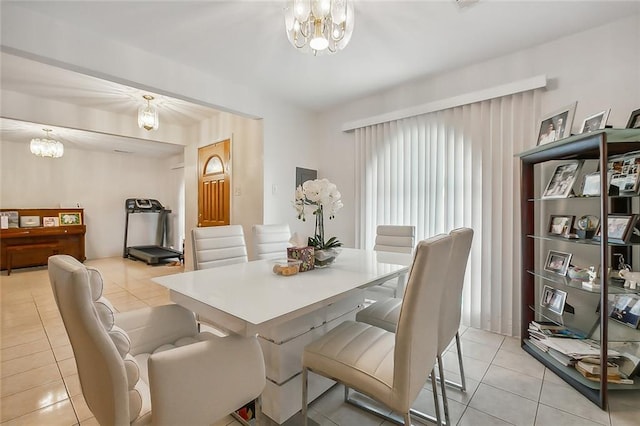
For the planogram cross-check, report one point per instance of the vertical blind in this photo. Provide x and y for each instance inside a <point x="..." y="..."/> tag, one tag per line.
<point x="449" y="169"/>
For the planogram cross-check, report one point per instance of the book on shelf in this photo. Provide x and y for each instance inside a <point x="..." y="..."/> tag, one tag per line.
<point x="557" y="331"/>
<point x="592" y="366"/>
<point x="563" y="359"/>
<point x="546" y="325"/>
<point x="539" y="345"/>
<point x="577" y="348"/>
<point x="611" y="378"/>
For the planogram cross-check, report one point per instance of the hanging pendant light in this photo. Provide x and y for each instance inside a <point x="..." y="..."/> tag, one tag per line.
<point x="148" y="115"/>
<point x="46" y="147"/>
<point x="319" y="26"/>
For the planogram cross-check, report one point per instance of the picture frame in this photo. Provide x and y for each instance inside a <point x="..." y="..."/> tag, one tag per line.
<point x="625" y="308"/>
<point x="624" y="173"/>
<point x="303" y="175"/>
<point x="634" y="120"/>
<point x="13" y="218"/>
<point x="557" y="124"/>
<point x="70" y="218"/>
<point x="561" y="183"/>
<point x="619" y="228"/>
<point x="553" y="299"/>
<point x="557" y="262"/>
<point x="49" y="222"/>
<point x="591" y="185"/>
<point x="560" y="225"/>
<point x="595" y="122"/>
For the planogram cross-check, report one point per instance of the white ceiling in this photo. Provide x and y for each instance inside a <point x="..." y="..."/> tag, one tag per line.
<point x="244" y="42"/>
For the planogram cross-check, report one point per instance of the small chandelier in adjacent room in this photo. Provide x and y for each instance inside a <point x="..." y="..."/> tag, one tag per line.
<point x="46" y="147"/>
<point x="148" y="115"/>
<point x="319" y="26"/>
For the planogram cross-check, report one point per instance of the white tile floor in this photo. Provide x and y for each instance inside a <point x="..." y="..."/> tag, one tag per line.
<point x="39" y="381"/>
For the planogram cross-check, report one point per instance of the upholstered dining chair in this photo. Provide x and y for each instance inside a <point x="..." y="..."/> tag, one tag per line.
<point x="397" y="239"/>
<point x="385" y="314"/>
<point x="271" y="241"/>
<point x="150" y="366"/>
<point x="390" y="368"/>
<point x="218" y="245"/>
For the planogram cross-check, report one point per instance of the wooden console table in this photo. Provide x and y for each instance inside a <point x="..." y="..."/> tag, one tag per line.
<point x="32" y="246"/>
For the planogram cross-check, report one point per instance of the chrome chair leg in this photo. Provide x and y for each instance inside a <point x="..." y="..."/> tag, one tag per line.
<point x="305" y="373"/>
<point x="463" y="384"/>
<point x="434" y="388"/>
<point x="443" y="387"/>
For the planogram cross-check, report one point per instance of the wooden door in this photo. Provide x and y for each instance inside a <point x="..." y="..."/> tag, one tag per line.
<point x="214" y="183"/>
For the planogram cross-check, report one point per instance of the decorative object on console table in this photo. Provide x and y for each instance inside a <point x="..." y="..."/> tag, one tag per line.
<point x="70" y="218"/>
<point x="29" y="221"/>
<point x="324" y="197"/>
<point x="557" y="125"/>
<point x="13" y="219"/>
<point x="561" y="183"/>
<point x="50" y="221"/>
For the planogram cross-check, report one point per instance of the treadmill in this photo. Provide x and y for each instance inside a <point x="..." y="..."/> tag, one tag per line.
<point x="152" y="254"/>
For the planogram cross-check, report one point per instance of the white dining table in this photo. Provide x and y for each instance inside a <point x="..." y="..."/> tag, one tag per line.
<point x="286" y="312"/>
<point x="248" y="298"/>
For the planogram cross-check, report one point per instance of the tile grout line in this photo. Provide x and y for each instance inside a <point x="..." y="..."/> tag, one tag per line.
<point x="66" y="388"/>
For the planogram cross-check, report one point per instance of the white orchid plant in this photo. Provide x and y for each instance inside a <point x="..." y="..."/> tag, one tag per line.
<point x="325" y="198"/>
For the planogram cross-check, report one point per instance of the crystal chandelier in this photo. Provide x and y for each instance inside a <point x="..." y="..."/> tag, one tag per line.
<point x="319" y="26"/>
<point x="148" y="115"/>
<point x="46" y="147"/>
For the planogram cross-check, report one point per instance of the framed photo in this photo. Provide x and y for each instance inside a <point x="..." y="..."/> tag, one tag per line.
<point x="634" y="120"/>
<point x="562" y="180"/>
<point x="70" y="218"/>
<point x="303" y="175"/>
<point x="557" y="262"/>
<point x="556" y="125"/>
<point x="624" y="172"/>
<point x="595" y="122"/>
<point x="12" y="218"/>
<point x="619" y="228"/>
<point x="625" y="309"/>
<point x="560" y="225"/>
<point x="591" y="184"/>
<point x="50" y="221"/>
<point x="553" y="299"/>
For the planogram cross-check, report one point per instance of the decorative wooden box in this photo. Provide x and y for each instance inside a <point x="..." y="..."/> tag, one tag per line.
<point x="304" y="254"/>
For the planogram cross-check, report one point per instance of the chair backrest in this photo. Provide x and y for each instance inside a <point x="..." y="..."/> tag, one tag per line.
<point x="452" y="296"/>
<point x="416" y="344"/>
<point x="218" y="245"/>
<point x="271" y="241"/>
<point x="108" y="373"/>
<point x="395" y="238"/>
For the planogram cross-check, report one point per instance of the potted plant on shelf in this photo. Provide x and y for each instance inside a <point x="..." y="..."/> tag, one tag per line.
<point x="324" y="198"/>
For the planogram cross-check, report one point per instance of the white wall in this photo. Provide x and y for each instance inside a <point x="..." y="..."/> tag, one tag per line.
<point x="99" y="181"/>
<point x="599" y="68"/>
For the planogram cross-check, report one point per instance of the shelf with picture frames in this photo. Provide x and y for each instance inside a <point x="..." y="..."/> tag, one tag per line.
<point x="551" y="175"/>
